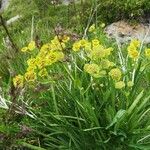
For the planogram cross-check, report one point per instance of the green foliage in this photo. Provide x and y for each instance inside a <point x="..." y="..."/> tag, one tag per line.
<point x="72" y="110"/>
<point x="114" y="10"/>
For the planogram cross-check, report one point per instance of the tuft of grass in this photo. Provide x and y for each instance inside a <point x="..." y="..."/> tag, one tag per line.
<point x="71" y="109"/>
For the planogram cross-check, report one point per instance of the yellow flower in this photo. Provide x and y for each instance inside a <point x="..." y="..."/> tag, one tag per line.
<point x="133" y="54"/>
<point x="97" y="54"/>
<point x="102" y="25"/>
<point x="18" y="81"/>
<point x="46" y="60"/>
<point x="76" y="46"/>
<point x="102" y="73"/>
<point x="56" y="44"/>
<point x="108" y="51"/>
<point x="30" y="76"/>
<point x="65" y="38"/>
<point x="119" y="85"/>
<point x="97" y="47"/>
<point x="31" y="62"/>
<point x="83" y="42"/>
<point x="56" y="39"/>
<point x="130" y="84"/>
<point x="31" y="45"/>
<point x="60" y="56"/>
<point x="147" y="52"/>
<point x="41" y="63"/>
<point x="92" y="28"/>
<point x="53" y="57"/>
<point x="88" y="46"/>
<point x="31" y="68"/>
<point x="115" y="74"/>
<point x="95" y="42"/>
<point x="93" y="70"/>
<point x="43" y="73"/>
<point x="131" y="48"/>
<point x="46" y="47"/>
<point x="135" y="42"/>
<point x="62" y="46"/>
<point x="105" y="63"/>
<point x="24" y="49"/>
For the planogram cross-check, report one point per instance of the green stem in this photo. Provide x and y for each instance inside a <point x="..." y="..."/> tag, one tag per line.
<point x="31" y="146"/>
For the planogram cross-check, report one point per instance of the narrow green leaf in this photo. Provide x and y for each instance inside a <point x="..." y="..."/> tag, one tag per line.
<point x="118" y="115"/>
<point x="134" y="104"/>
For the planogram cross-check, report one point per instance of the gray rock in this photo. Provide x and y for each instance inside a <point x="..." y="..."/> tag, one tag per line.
<point x="3" y="5"/>
<point x="13" y="19"/>
<point x="124" y="31"/>
<point x="67" y="2"/>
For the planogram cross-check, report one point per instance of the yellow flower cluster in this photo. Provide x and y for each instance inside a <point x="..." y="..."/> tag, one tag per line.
<point x="43" y="73"/>
<point x="18" y="81"/>
<point x="64" y="38"/>
<point x="98" y="70"/>
<point x="83" y="43"/>
<point x="94" y="48"/>
<point x="31" y="46"/>
<point x="121" y="84"/>
<point x="48" y="54"/>
<point x="76" y="46"/>
<point x="115" y="74"/>
<point x="130" y="83"/>
<point x="106" y="64"/>
<point x="92" y="28"/>
<point x="30" y="76"/>
<point x="99" y="52"/>
<point x="94" y="70"/>
<point x="102" y="25"/>
<point x="98" y="55"/>
<point x="132" y="49"/>
<point x="147" y="52"/>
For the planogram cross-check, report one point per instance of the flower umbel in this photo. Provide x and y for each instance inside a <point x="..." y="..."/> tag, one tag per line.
<point x="31" y="45"/>
<point x="92" y="28"/>
<point x="115" y="74"/>
<point x="18" y="81"/>
<point x="119" y="85"/>
<point x="30" y="76"/>
<point x="92" y="69"/>
<point x="147" y="52"/>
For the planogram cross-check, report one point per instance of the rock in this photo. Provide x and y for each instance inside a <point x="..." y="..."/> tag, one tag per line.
<point x="13" y="19"/>
<point x="3" y="5"/>
<point x="124" y="31"/>
<point x="67" y="2"/>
